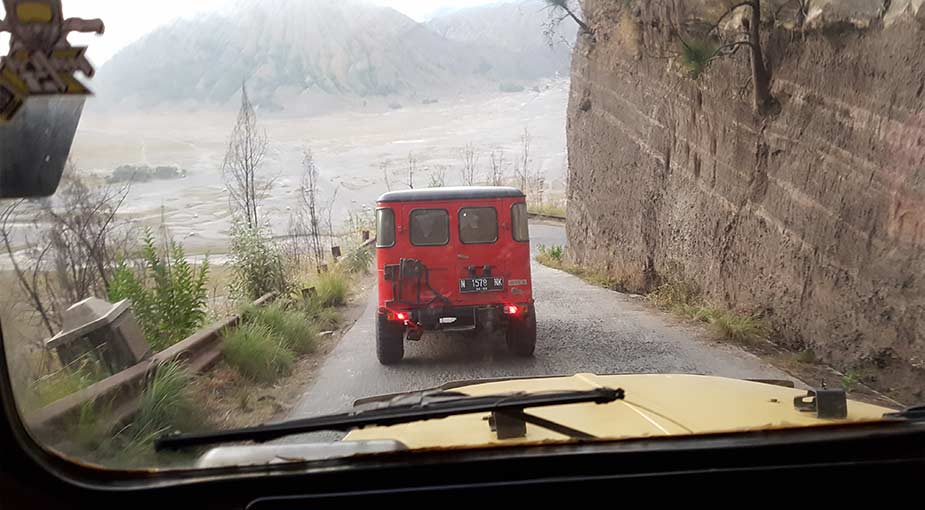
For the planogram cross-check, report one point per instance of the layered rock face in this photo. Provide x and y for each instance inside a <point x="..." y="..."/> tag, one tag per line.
<point x="813" y="214"/>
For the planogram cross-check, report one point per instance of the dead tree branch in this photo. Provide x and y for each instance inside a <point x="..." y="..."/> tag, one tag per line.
<point x="246" y="149"/>
<point x="470" y="161"/>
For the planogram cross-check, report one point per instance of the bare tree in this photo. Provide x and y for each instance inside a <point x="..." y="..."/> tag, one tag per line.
<point x="438" y="176"/>
<point x="311" y="209"/>
<point x="700" y="54"/>
<point x="522" y="168"/>
<point x="28" y="278"/>
<point x="496" y="175"/>
<point x="470" y="163"/>
<point x="412" y="168"/>
<point x="246" y="150"/>
<point x="559" y="11"/>
<point x="538" y="186"/>
<point x="73" y="248"/>
<point x="83" y="223"/>
<point x="329" y="216"/>
<point x="384" y="167"/>
<point x="298" y="247"/>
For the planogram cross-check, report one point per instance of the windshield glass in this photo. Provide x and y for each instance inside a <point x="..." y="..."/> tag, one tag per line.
<point x="272" y="209"/>
<point x="478" y="225"/>
<point x="385" y="228"/>
<point x="429" y="227"/>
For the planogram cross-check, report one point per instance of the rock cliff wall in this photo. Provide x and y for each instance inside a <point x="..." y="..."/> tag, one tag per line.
<point x="813" y="214"/>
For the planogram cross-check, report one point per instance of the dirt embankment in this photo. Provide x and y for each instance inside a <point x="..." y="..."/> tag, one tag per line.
<point x="813" y="214"/>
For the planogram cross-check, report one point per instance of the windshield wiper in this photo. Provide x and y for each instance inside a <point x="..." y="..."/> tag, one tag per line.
<point x="914" y="413"/>
<point x="423" y="407"/>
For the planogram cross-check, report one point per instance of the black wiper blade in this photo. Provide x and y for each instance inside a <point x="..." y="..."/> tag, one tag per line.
<point x="914" y="413"/>
<point x="417" y="410"/>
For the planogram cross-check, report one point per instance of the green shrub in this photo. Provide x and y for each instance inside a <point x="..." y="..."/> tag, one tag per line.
<point x="166" y="403"/>
<point x="551" y="255"/>
<point x="168" y="296"/>
<point x="807" y="356"/>
<point x="678" y="296"/>
<point x="850" y="380"/>
<point x="90" y="427"/>
<point x="66" y="381"/>
<point x="292" y="329"/>
<point x="695" y="312"/>
<point x="552" y="210"/>
<point x="738" y="328"/>
<point x="606" y="280"/>
<point x="358" y="261"/>
<point x="323" y="317"/>
<point x="327" y="319"/>
<point x="256" y="264"/>
<point x="257" y="353"/>
<point x="332" y="288"/>
<point x="696" y="56"/>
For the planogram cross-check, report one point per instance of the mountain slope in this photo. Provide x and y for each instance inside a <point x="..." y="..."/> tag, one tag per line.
<point x="511" y="37"/>
<point x="329" y="47"/>
<point x="293" y="52"/>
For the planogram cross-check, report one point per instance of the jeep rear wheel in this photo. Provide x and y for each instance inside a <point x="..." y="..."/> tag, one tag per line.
<point x="390" y="341"/>
<point x="521" y="336"/>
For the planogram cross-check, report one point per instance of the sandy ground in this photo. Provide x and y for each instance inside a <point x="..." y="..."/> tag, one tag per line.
<point x="348" y="149"/>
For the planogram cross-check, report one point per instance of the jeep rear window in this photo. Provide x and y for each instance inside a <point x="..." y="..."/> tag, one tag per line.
<point x="385" y="228"/>
<point x="478" y="225"/>
<point x="430" y="227"/>
<point x="519" y="226"/>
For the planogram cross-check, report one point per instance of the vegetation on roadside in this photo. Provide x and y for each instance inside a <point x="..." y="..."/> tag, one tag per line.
<point x="358" y="261"/>
<point x="546" y="209"/>
<point x="684" y="299"/>
<point x="57" y="385"/>
<point x="332" y="288"/>
<point x="552" y="254"/>
<point x="293" y="329"/>
<point x="807" y="356"/>
<point x="256" y="352"/>
<point x="166" y="405"/>
<point x="554" y="257"/>
<point x="256" y="264"/>
<point x="168" y="294"/>
<point x="270" y="338"/>
<point x="323" y="317"/>
<point x="850" y="380"/>
<point x="673" y="295"/>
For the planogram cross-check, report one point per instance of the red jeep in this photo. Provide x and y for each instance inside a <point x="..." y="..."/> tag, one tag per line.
<point x="453" y="259"/>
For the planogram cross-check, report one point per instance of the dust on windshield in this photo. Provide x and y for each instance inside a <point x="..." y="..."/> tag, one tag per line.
<point x="272" y="209"/>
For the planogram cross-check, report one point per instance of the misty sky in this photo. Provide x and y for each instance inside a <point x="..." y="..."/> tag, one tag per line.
<point x="128" y="20"/>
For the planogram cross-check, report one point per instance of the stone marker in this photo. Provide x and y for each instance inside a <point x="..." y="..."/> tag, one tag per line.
<point x="108" y="331"/>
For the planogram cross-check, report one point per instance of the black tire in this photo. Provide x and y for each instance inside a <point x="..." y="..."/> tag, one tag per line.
<point x="390" y="341"/>
<point x="521" y="336"/>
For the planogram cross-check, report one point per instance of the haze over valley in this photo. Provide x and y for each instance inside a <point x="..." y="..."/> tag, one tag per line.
<point x="362" y="85"/>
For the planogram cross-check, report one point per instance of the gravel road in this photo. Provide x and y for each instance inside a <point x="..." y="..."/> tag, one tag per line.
<point x="581" y="328"/>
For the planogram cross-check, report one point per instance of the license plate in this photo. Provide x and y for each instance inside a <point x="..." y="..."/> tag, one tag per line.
<point x="482" y="284"/>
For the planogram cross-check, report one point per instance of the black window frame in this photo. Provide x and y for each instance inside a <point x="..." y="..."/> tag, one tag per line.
<point x="459" y="224"/>
<point x="411" y="226"/>
<point x="526" y="219"/>
<point x="394" y="228"/>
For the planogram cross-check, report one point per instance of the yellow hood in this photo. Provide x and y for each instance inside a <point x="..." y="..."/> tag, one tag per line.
<point x="655" y="405"/>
